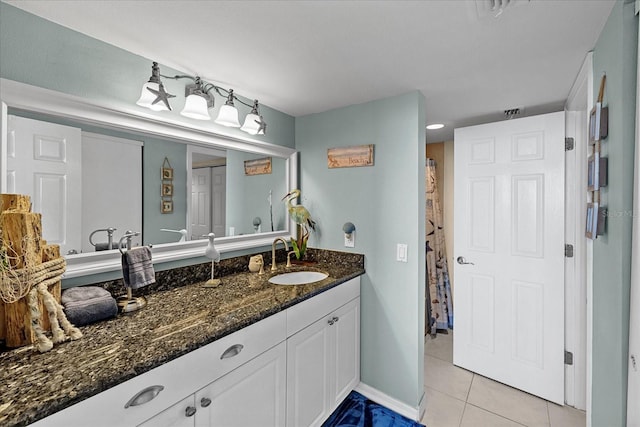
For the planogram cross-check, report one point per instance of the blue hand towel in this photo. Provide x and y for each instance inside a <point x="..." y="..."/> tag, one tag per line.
<point x="137" y="267"/>
<point x="88" y="304"/>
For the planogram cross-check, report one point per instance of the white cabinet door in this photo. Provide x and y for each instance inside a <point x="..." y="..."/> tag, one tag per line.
<point x="251" y="396"/>
<point x="308" y="375"/>
<point x="182" y="414"/>
<point x="323" y="365"/>
<point x="346" y="351"/>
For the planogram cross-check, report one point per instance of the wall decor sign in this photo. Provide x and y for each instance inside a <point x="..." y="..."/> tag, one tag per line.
<point x="349" y="157"/>
<point x="596" y="172"/>
<point x="166" y="206"/>
<point x="599" y="117"/>
<point x="166" y="187"/>
<point x="257" y="166"/>
<point x="595" y="220"/>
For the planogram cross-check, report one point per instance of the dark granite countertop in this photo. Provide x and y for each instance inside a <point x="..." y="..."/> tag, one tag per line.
<point x="174" y="322"/>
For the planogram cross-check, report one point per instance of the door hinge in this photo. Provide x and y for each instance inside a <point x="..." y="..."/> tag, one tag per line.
<point x="568" y="144"/>
<point x="568" y="358"/>
<point x="568" y="251"/>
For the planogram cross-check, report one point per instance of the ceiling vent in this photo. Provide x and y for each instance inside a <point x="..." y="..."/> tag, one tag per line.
<point x="511" y="113"/>
<point x="495" y="8"/>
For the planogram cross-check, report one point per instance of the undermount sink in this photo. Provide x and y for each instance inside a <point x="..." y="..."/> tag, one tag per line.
<point x="298" y="278"/>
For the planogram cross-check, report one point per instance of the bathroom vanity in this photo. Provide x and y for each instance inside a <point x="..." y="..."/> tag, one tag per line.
<point x="246" y="353"/>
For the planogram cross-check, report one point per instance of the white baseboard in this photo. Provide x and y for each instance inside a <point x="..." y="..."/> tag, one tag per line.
<point x="392" y="403"/>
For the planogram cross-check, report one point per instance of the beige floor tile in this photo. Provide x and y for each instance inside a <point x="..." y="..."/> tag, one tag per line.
<point x="446" y="378"/>
<point x="440" y="347"/>
<point x="508" y="402"/>
<point x="476" y="417"/>
<point x="442" y="410"/>
<point x="566" y="416"/>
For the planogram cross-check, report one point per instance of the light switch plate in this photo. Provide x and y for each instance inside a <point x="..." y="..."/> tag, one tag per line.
<point x="401" y="252"/>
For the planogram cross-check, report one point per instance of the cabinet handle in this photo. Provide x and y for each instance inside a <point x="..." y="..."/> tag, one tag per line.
<point x="190" y="411"/>
<point x="234" y="350"/>
<point x="205" y="401"/>
<point x="144" y="396"/>
<point x="333" y="320"/>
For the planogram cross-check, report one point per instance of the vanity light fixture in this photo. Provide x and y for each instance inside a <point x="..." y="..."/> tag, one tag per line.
<point x="199" y="98"/>
<point x="253" y="121"/>
<point x="153" y="92"/>
<point x="198" y="102"/>
<point x="228" y="115"/>
<point x="435" y="126"/>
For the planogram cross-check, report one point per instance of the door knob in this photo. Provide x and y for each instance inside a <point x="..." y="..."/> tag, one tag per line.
<point x="463" y="261"/>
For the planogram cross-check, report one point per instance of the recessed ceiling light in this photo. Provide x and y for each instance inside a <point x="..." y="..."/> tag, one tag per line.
<point x="435" y="126"/>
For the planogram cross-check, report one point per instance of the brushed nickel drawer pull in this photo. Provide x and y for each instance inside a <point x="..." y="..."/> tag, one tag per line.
<point x="190" y="411"/>
<point x="205" y="401"/>
<point x="234" y="350"/>
<point x="144" y="396"/>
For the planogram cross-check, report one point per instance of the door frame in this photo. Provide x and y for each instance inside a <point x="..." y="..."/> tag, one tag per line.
<point x="3" y="147"/>
<point x="578" y="301"/>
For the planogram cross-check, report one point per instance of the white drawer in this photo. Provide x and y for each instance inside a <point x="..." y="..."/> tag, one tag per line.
<point x="305" y="313"/>
<point x="179" y="377"/>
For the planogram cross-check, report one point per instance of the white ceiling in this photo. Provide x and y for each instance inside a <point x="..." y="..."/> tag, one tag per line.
<point x="304" y="57"/>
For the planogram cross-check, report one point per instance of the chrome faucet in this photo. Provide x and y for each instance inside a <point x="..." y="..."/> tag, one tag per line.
<point x="273" y="251"/>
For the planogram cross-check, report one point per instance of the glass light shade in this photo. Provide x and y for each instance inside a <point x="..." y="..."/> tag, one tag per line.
<point x="147" y="98"/>
<point x="228" y="116"/>
<point x="251" y="124"/>
<point x="195" y="107"/>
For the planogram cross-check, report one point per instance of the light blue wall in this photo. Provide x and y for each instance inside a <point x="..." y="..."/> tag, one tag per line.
<point x="155" y="150"/>
<point x="386" y="203"/>
<point x="41" y="53"/>
<point x="615" y="54"/>
<point x="250" y="195"/>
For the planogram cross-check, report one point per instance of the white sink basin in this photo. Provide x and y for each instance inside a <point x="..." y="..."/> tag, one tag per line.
<point x="298" y="278"/>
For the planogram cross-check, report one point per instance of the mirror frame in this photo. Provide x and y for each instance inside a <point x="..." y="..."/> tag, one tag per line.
<point x="32" y="98"/>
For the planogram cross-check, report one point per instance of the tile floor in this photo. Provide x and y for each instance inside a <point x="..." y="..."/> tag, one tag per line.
<point x="460" y="398"/>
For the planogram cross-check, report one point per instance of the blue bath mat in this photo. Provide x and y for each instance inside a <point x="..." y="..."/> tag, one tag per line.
<point x="358" y="411"/>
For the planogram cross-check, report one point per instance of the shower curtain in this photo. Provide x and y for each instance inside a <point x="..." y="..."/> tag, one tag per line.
<point x="439" y="308"/>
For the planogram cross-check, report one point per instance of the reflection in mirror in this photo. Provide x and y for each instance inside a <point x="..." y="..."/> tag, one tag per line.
<point x="157" y="138"/>
<point x="229" y="197"/>
<point x="89" y="181"/>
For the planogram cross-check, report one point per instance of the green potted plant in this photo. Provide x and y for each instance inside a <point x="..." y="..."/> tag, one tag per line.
<point x="301" y="216"/>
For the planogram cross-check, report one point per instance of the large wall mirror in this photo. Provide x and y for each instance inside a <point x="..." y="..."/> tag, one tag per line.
<point x="90" y="169"/>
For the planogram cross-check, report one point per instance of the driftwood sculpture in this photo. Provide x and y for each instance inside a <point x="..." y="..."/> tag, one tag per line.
<point x="30" y="279"/>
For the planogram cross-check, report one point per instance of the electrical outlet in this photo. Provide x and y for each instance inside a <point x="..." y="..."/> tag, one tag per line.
<point x="350" y="240"/>
<point x="401" y="252"/>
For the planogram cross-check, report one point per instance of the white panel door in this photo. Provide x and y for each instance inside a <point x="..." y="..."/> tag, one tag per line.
<point x="219" y="199"/>
<point x="200" y="203"/>
<point x="44" y="161"/>
<point x="509" y="231"/>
